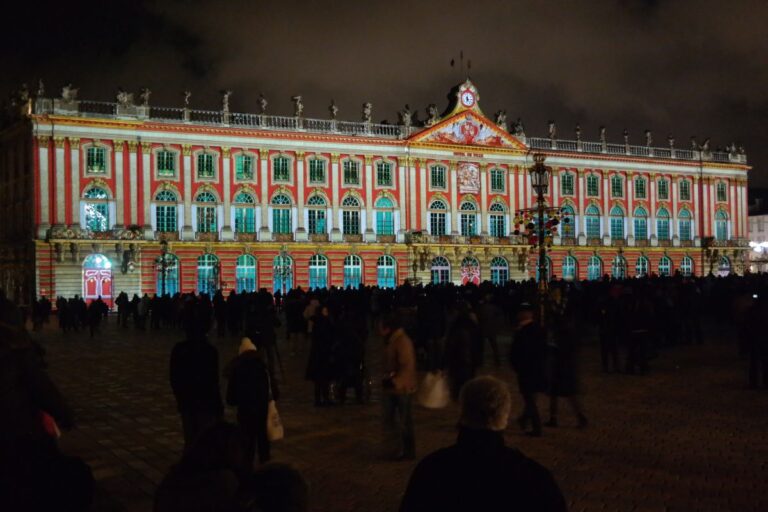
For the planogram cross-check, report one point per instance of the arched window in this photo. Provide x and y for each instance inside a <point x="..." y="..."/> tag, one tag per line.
<point x="470" y="271"/>
<point x="619" y="267"/>
<point x="316" y="208"/>
<point x="353" y="271"/>
<point x="386" y="272"/>
<point x="640" y="223"/>
<point x="665" y="266"/>
<point x="548" y="269"/>
<point x="617" y="223"/>
<point x="318" y="272"/>
<point x="245" y="273"/>
<point x="499" y="271"/>
<point x="568" y="222"/>
<point x="592" y="221"/>
<point x="97" y="278"/>
<point x="721" y="225"/>
<point x="385" y="222"/>
<point x="440" y="270"/>
<point x="282" y="274"/>
<point x="207" y="274"/>
<point x="468" y="218"/>
<point x="167" y="283"/>
<point x="281" y="214"/>
<point x="684" y="225"/>
<point x="96" y="206"/>
<point x="724" y="266"/>
<point x="245" y="213"/>
<point x="497" y="220"/>
<point x="206" y="213"/>
<point x="594" y="268"/>
<point x="570" y="271"/>
<point x="166" y="211"/>
<point x="437" y="226"/>
<point x="662" y="224"/>
<point x="641" y="267"/>
<point x="686" y="266"/>
<point x="350" y="216"/>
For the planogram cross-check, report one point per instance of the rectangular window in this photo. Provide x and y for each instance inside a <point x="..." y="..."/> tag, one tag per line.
<point x="281" y="220"/>
<point x="617" y="228"/>
<point x="617" y="186"/>
<point x="468" y="224"/>
<point x="497" y="180"/>
<point x="640" y="188"/>
<point x="205" y="166"/>
<point x="721" y="192"/>
<point x="245" y="220"/>
<point x="206" y="219"/>
<point x="437" y="224"/>
<point x="351" y="222"/>
<point x="351" y="172"/>
<point x="166" y="218"/>
<point x="316" y="171"/>
<point x="166" y="164"/>
<point x="385" y="223"/>
<point x="566" y="184"/>
<point x="641" y="229"/>
<point x="663" y="192"/>
<point x="316" y="222"/>
<point x="437" y="177"/>
<point x="497" y="226"/>
<point x="684" y="228"/>
<point x="593" y="185"/>
<point x="593" y="227"/>
<point x="685" y="190"/>
<point x="280" y="171"/>
<point x="383" y="174"/>
<point x="96" y="160"/>
<point x="662" y="229"/>
<point x="244" y="167"/>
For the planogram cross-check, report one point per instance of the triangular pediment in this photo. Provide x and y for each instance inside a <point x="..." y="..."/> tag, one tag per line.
<point x="467" y="128"/>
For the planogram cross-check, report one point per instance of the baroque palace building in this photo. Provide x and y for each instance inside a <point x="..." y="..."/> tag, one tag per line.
<point x="99" y="198"/>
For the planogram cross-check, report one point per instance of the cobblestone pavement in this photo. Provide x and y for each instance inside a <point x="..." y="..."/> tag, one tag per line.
<point x="687" y="437"/>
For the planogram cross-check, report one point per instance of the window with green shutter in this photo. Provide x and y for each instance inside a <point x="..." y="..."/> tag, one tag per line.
<point x="663" y="191"/>
<point x="351" y="172"/>
<point x="566" y="184"/>
<point x="617" y="186"/>
<point x="640" y="192"/>
<point x="685" y="190"/>
<point x="437" y="177"/>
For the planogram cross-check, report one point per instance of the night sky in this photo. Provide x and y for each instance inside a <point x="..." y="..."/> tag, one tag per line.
<point x="680" y="67"/>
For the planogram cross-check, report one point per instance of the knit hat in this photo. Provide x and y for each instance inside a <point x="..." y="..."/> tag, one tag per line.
<point x="246" y="344"/>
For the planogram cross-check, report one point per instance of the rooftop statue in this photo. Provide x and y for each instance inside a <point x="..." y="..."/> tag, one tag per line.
<point x="225" y="100"/>
<point x="262" y="104"/>
<point x="69" y="93"/>
<point x="40" y="88"/>
<point x="298" y="106"/>
<point x="602" y="135"/>
<point x="187" y="95"/>
<point x="626" y="136"/>
<point x="648" y="138"/>
<point x="694" y="144"/>
<point x="367" y="111"/>
<point x="519" y="128"/>
<point x="578" y="132"/>
<point x="671" y="141"/>
<point x="24" y="93"/>
<point x="501" y="119"/>
<point x="333" y="109"/>
<point x="123" y="98"/>
<point x="406" y="116"/>
<point x="144" y="95"/>
<point x="552" y="130"/>
<point x="432" y="115"/>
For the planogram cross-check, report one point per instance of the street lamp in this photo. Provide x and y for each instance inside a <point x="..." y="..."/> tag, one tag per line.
<point x="540" y="183"/>
<point x="283" y="271"/>
<point x="163" y="265"/>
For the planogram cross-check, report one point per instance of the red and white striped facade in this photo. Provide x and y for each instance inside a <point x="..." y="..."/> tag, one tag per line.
<point x="51" y="144"/>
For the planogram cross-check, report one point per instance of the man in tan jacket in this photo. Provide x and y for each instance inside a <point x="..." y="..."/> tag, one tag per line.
<point x="399" y="385"/>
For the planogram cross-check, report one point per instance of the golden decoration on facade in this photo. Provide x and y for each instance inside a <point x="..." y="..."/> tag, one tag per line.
<point x="132" y="145"/>
<point x="118" y="145"/>
<point x="43" y="139"/>
<point x="58" y="142"/>
<point x="226" y="151"/>
<point x="186" y="149"/>
<point x="300" y="155"/>
<point x="368" y="159"/>
<point x="335" y="158"/>
<point x="74" y="142"/>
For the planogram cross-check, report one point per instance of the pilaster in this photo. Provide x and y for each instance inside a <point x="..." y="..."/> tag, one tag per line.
<point x="186" y="156"/>
<point x="44" y="198"/>
<point x="264" y="233"/>
<point x="119" y="184"/>
<point x="226" y="171"/>
<point x="335" y="186"/>
<point x="401" y="184"/>
<point x="483" y="200"/>
<point x="369" y="234"/>
<point x="301" y="232"/>
<point x="414" y="209"/>
<point x="146" y="191"/>
<point x="133" y="185"/>
<point x="455" y="224"/>
<point x="74" y="181"/>
<point x="61" y="178"/>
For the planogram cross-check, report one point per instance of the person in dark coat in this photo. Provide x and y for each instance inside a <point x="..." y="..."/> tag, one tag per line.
<point x="249" y="390"/>
<point x="460" y="351"/>
<point x="528" y="358"/>
<point x="351" y="355"/>
<point x="320" y="367"/>
<point x="479" y="472"/>
<point x="564" y="378"/>
<point x="194" y="371"/>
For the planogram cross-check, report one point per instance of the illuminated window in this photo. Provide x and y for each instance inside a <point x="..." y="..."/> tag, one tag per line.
<point x="592" y="220"/>
<point x="386" y="272"/>
<point x="166" y="164"/>
<point x="205" y="167"/>
<point x="243" y="167"/>
<point x="245" y="274"/>
<point x="566" y="184"/>
<point x="281" y="169"/>
<point x="318" y="272"/>
<point x="385" y="224"/>
<point x="245" y="213"/>
<point x="593" y="185"/>
<point x="617" y="186"/>
<point x="662" y="224"/>
<point x="166" y="211"/>
<point x="437" y="225"/>
<point x="684" y="225"/>
<point x="440" y="270"/>
<point x="497" y="220"/>
<point x="281" y="214"/>
<point x="663" y="189"/>
<point x="96" y="207"/>
<point x="350" y="216"/>
<point x="641" y="267"/>
<point x="96" y="160"/>
<point x="617" y="223"/>
<point x="640" y="222"/>
<point x="353" y="271"/>
<point x="685" y="190"/>
<point x="499" y="271"/>
<point x="640" y="192"/>
<point x="206" y="213"/>
<point x="468" y="219"/>
<point x="721" y="191"/>
<point x="437" y="177"/>
<point x="316" y="171"/>
<point x="316" y="215"/>
<point x="384" y="174"/>
<point x="569" y="268"/>
<point x="351" y="172"/>
<point x="497" y="180"/>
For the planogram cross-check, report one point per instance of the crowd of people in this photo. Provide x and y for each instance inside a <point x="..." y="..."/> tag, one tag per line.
<point x="442" y="330"/>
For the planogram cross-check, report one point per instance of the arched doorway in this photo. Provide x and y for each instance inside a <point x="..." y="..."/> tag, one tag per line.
<point x="97" y="278"/>
<point x="282" y="274"/>
<point x="470" y="271"/>
<point x="440" y="270"/>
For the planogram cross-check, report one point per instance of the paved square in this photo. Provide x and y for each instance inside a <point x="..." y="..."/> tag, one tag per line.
<point x="687" y="437"/>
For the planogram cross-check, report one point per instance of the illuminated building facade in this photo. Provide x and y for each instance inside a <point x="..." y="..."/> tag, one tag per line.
<point x="99" y="198"/>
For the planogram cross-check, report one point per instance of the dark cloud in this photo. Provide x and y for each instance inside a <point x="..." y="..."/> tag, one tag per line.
<point x="685" y="67"/>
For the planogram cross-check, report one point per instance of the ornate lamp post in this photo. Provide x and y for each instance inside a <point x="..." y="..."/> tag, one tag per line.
<point x="540" y="183"/>
<point x="283" y="271"/>
<point x="163" y="265"/>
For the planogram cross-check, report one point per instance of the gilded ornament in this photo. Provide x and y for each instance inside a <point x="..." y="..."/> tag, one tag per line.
<point x="186" y="149"/>
<point x="118" y="145"/>
<point x="58" y="142"/>
<point x="334" y="158"/>
<point x="74" y="142"/>
<point x="368" y="159"/>
<point x="226" y="152"/>
<point x="43" y="139"/>
<point x="132" y="145"/>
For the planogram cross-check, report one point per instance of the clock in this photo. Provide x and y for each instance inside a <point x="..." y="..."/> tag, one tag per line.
<point x="467" y="98"/>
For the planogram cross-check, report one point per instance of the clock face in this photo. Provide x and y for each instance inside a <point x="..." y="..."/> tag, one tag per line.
<point x="467" y="99"/>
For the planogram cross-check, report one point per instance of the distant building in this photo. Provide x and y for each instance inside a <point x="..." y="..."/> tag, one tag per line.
<point x="758" y="230"/>
<point x="98" y="198"/>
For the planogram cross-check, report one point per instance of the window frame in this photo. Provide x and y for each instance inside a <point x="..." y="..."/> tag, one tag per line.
<point x="567" y="184"/>
<point x="438" y="167"/>
<point x="214" y="159"/>
<point x="592" y="179"/>
<point x="617" y="181"/>
<point x="253" y="159"/>
<point x="315" y="161"/>
<point x="500" y="175"/>
<point x="684" y="186"/>
<point x="289" y="168"/>
<point x="174" y="157"/>
<point x="641" y="183"/>
<point x="358" y="165"/>
<point x="659" y="195"/>
<point x="378" y="167"/>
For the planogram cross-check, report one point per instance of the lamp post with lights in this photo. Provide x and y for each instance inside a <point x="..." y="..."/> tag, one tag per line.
<point x="540" y="183"/>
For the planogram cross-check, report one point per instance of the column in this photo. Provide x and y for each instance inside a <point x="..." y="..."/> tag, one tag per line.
<point x="652" y="213"/>
<point x="186" y="230"/>
<point x="711" y="205"/>
<point x="335" y="186"/>
<point x="484" y="200"/>
<point x="264" y="233"/>
<point x="133" y="185"/>
<point x="423" y="194"/>
<point x="606" y="179"/>
<point x="74" y="181"/>
<point x="511" y="174"/>
<point x="732" y="207"/>
<point x="521" y="189"/>
<point x="698" y="231"/>
<point x="369" y="234"/>
<point x="226" y="170"/>
<point x="44" y="199"/>
<point x="581" y="206"/>
<point x="743" y="207"/>
<point x="555" y="187"/>
<point x="119" y="182"/>
<point x="146" y="191"/>
<point x="455" y="230"/>
<point x="630" y="208"/>
<point x="674" y="226"/>
<point x="301" y="233"/>
<point x="401" y="163"/>
<point x="412" y="192"/>
<point x="60" y="177"/>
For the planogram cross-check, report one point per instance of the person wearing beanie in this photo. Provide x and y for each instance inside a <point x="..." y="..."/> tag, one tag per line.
<point x="480" y="472"/>
<point x="248" y="389"/>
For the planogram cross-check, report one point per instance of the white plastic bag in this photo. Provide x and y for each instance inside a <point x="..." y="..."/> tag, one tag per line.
<point x="433" y="392"/>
